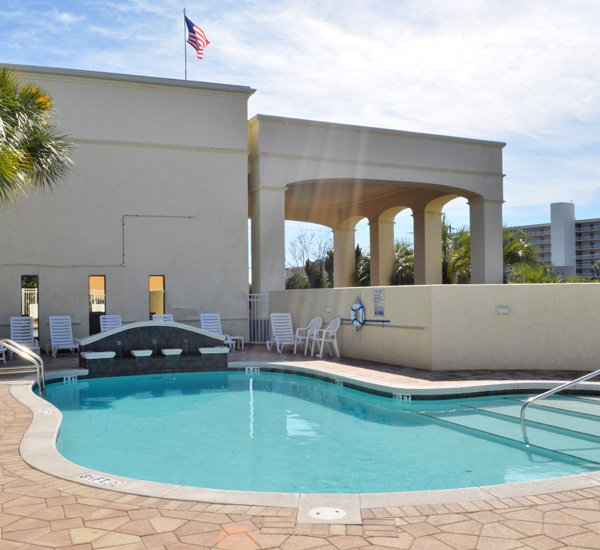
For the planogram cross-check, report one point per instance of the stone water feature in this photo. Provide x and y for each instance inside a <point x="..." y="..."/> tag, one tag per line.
<point x="152" y="347"/>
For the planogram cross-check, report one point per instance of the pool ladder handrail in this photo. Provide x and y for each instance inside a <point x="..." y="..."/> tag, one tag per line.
<point x="551" y="392"/>
<point x="28" y="355"/>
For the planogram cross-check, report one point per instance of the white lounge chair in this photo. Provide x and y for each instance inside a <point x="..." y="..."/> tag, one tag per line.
<point x="61" y="334"/>
<point x="211" y="322"/>
<point x="162" y="317"/>
<point x="326" y="336"/>
<point x="110" y="321"/>
<point x="3" y="354"/>
<point x="282" y="332"/>
<point x="21" y="332"/>
<point x="303" y="334"/>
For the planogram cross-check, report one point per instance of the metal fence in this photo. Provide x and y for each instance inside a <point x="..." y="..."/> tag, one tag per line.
<point x="258" y="318"/>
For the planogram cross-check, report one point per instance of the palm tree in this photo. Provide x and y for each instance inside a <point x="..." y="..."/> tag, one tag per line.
<point x="447" y="242"/>
<point x="459" y="266"/>
<point x="530" y="273"/>
<point x="362" y="268"/>
<point x="404" y="264"/>
<point x="32" y="153"/>
<point x="518" y="251"/>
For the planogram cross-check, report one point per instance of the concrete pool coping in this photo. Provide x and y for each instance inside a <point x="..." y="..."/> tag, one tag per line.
<point x="38" y="450"/>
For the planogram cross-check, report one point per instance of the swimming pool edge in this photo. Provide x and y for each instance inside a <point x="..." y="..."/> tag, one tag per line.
<point x="38" y="450"/>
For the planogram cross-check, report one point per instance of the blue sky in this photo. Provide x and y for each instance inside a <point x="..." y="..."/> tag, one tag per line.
<point x="524" y="72"/>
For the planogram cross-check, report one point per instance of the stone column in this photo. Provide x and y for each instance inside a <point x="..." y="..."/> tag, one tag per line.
<point x="486" y="241"/>
<point x="382" y="252"/>
<point x="343" y="256"/>
<point x="428" y="247"/>
<point x="268" y="239"/>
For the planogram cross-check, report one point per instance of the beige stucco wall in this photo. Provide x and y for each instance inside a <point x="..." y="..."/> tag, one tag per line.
<point x="159" y="187"/>
<point x="548" y="327"/>
<point x="292" y="150"/>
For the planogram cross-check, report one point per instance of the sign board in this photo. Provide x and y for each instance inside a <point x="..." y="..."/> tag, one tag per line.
<point x="379" y="302"/>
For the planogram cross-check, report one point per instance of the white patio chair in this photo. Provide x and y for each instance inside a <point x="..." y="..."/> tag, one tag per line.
<point x="162" y="317"/>
<point x="211" y="322"/>
<point x="61" y="334"/>
<point x="326" y="336"/>
<point x="282" y="332"/>
<point x="303" y="334"/>
<point x="3" y="354"/>
<point x="110" y="321"/>
<point x="21" y="332"/>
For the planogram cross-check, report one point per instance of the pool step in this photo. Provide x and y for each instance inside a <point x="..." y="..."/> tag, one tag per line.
<point x="561" y="415"/>
<point x="502" y="420"/>
<point x="586" y="406"/>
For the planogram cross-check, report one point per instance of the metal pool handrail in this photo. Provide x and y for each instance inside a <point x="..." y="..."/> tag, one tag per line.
<point x="28" y="355"/>
<point x="551" y="392"/>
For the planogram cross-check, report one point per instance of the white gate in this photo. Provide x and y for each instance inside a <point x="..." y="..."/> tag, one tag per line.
<point x="258" y="318"/>
<point x="29" y="302"/>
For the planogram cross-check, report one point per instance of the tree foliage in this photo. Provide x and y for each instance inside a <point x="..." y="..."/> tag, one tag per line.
<point x="311" y="261"/>
<point x="309" y="246"/>
<point x="404" y="264"/>
<point x="362" y="268"/>
<point x="518" y="252"/>
<point x="33" y="154"/>
<point x="529" y="273"/>
<point x="314" y="274"/>
<point x="297" y="280"/>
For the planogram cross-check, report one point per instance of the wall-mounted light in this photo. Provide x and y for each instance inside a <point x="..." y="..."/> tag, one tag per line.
<point x="501" y="310"/>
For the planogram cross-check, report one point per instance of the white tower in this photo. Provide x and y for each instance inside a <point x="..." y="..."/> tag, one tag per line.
<point x="562" y="237"/>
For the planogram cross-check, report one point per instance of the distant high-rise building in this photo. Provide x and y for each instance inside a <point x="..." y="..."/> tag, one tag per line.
<point x="571" y="246"/>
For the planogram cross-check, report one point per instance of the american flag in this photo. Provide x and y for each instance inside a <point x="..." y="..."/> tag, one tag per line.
<point x="196" y="37"/>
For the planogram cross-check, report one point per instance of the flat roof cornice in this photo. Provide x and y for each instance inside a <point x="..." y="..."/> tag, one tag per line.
<point x="314" y="123"/>
<point x="231" y="88"/>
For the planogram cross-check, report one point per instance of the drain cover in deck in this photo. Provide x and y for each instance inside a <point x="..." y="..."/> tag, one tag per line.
<point x="326" y="514"/>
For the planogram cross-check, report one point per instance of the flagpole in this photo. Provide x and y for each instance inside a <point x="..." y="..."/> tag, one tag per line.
<point x="184" y="48"/>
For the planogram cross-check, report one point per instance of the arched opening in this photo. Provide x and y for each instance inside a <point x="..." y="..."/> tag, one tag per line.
<point x="456" y="213"/>
<point x="404" y="230"/>
<point x="308" y="255"/>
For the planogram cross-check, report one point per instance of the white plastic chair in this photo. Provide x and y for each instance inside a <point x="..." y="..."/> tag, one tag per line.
<point x="326" y="336"/>
<point x="303" y="334"/>
<point x="282" y="332"/>
<point x="3" y="354"/>
<point x="21" y="332"/>
<point x="61" y="334"/>
<point x="211" y="322"/>
<point x="108" y="322"/>
<point x="162" y="317"/>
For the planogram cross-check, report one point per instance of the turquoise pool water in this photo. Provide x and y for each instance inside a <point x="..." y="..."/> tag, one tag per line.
<point x="287" y="433"/>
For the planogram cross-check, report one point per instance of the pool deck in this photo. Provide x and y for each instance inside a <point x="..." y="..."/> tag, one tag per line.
<point x="40" y="511"/>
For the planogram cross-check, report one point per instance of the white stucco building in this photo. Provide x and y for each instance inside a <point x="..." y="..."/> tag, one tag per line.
<point x="167" y="172"/>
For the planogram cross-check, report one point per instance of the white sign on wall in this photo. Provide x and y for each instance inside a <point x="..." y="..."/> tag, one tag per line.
<point x="379" y="302"/>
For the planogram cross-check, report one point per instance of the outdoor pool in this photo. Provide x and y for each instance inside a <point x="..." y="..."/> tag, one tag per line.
<point x="276" y="432"/>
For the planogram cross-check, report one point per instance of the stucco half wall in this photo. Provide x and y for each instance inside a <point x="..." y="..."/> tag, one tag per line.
<point x="450" y="327"/>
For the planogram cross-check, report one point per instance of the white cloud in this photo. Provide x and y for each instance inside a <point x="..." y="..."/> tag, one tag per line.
<point x="523" y="72"/>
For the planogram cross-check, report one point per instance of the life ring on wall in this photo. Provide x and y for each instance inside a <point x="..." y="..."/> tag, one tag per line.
<point x="357" y="315"/>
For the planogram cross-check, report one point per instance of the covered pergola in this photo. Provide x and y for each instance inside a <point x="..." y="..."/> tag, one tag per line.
<point x="335" y="175"/>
